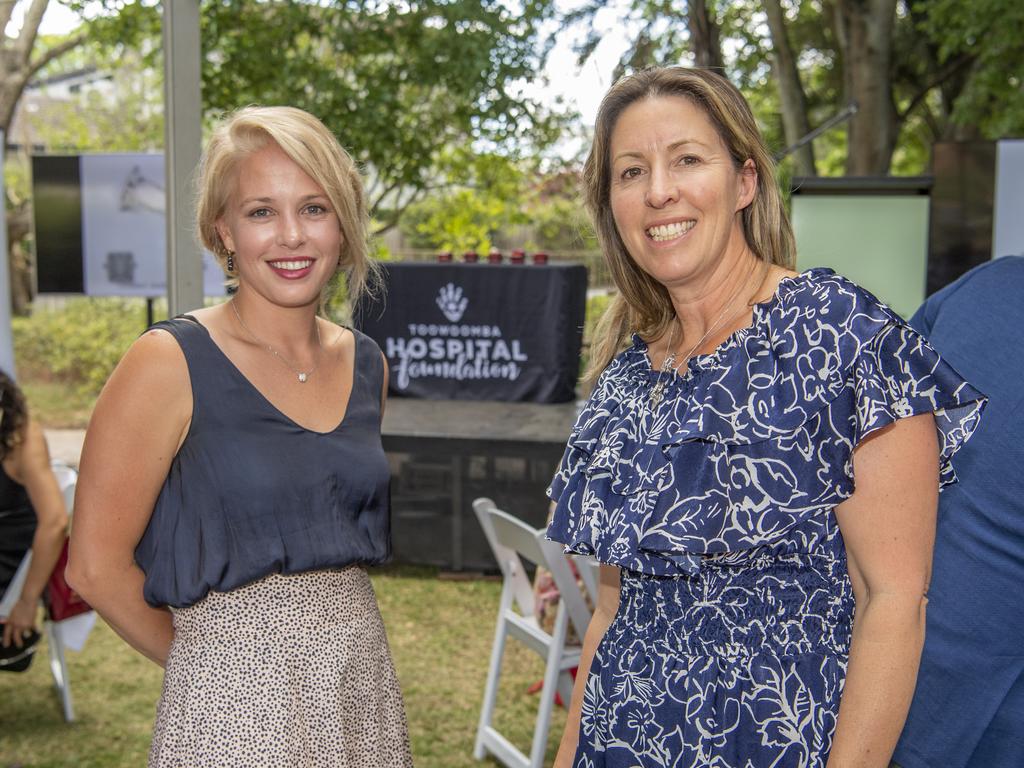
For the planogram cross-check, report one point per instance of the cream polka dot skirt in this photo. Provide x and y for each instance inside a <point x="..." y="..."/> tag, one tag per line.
<point x="286" y="672"/>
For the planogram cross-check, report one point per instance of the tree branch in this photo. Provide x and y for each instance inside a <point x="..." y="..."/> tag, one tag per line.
<point x="6" y="9"/>
<point x="57" y="51"/>
<point x="29" y="30"/>
<point x="387" y="191"/>
<point x="397" y="215"/>
<point x="952" y="67"/>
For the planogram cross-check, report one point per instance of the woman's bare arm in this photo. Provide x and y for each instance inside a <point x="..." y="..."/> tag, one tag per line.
<point x="889" y="529"/>
<point x="29" y="465"/>
<point x="604" y="613"/>
<point x="138" y="424"/>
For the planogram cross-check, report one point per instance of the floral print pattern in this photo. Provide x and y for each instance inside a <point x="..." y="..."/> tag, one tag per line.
<point x="732" y="637"/>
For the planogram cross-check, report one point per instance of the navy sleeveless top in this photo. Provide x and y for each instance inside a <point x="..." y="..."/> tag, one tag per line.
<point x="251" y="493"/>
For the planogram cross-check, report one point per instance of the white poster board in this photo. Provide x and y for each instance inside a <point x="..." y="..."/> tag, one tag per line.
<point x="1008" y="221"/>
<point x="124" y="234"/>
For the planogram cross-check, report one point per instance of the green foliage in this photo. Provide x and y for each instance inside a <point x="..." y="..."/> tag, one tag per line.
<point x="78" y="345"/>
<point x="399" y="83"/>
<point x="957" y="66"/>
<point x="469" y="216"/>
<point x="560" y="224"/>
<point x="128" y="119"/>
<point x="987" y="37"/>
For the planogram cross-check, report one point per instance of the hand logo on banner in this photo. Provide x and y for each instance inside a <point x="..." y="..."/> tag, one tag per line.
<point x="452" y="303"/>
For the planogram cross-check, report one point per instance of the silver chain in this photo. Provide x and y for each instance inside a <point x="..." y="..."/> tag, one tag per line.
<point x="670" y="365"/>
<point x="301" y="375"/>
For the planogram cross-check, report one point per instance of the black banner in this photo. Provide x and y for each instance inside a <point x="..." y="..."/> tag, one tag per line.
<point x="480" y="331"/>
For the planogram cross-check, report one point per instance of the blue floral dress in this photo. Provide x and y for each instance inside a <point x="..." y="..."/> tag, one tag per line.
<point x="730" y="645"/>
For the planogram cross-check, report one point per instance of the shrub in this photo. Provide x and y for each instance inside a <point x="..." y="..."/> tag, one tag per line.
<point x="78" y="343"/>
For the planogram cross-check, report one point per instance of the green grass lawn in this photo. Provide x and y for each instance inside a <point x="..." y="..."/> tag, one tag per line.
<point x="440" y="632"/>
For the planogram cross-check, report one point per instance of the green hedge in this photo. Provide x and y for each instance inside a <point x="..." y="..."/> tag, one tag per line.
<point x="79" y="343"/>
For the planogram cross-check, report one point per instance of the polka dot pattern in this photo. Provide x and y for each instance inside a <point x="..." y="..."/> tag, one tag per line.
<point x="287" y="672"/>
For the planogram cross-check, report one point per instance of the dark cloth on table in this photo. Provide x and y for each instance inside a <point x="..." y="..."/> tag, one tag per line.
<point x="17" y="527"/>
<point x="251" y="493"/>
<point x="968" y="709"/>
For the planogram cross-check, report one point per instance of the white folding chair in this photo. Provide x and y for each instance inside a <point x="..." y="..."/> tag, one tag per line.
<point x="67" y="479"/>
<point x="512" y="540"/>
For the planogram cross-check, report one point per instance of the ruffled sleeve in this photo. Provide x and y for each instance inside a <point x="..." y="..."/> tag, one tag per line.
<point x="753" y="446"/>
<point x="897" y="374"/>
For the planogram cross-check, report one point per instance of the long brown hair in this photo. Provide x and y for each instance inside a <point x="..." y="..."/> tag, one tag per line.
<point x="642" y="304"/>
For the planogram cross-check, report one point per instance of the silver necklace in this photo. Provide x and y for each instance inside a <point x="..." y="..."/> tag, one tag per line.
<point x="669" y="365"/>
<point x="302" y="375"/>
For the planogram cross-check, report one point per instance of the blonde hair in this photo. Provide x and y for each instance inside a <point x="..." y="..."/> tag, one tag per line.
<point x="642" y="304"/>
<point x="313" y="148"/>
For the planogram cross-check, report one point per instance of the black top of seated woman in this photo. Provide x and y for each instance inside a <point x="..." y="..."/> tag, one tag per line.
<point x="251" y="493"/>
<point x="17" y="526"/>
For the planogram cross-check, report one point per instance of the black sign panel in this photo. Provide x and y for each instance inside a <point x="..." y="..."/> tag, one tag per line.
<point x="57" y="196"/>
<point x="480" y="331"/>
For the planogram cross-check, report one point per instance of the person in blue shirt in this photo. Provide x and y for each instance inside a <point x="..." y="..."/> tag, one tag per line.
<point x="968" y="708"/>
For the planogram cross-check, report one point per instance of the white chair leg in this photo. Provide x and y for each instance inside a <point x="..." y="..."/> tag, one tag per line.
<point x="547" y="691"/>
<point x="565" y="686"/>
<point x="59" y="668"/>
<point x="491" y="689"/>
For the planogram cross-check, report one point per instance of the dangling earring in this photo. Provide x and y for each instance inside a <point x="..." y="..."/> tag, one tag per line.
<point x="231" y="261"/>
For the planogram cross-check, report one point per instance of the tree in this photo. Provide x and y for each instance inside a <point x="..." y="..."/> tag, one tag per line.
<point x="21" y="59"/>
<point x="917" y="71"/>
<point x="398" y="83"/>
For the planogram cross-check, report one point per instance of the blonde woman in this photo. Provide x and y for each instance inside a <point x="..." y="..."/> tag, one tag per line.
<point x="233" y="484"/>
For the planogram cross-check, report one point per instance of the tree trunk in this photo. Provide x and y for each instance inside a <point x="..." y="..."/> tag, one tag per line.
<point x="795" y="123"/>
<point x="17" y="67"/>
<point x="864" y="29"/>
<point x="704" y="35"/>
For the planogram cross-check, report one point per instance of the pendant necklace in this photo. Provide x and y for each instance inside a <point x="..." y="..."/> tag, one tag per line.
<point x="301" y="375"/>
<point x="670" y="366"/>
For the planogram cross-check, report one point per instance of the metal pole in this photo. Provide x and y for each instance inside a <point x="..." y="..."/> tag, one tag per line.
<point x="849" y="111"/>
<point x="182" y="148"/>
<point x="6" y="338"/>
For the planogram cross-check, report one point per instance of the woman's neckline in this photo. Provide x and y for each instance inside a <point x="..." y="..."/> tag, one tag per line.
<point x="760" y="309"/>
<point x="248" y="382"/>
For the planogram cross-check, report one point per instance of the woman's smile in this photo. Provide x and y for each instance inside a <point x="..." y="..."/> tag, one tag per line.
<point x="666" y="233"/>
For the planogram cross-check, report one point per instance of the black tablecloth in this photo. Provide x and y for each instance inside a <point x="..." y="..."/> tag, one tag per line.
<point x="480" y="331"/>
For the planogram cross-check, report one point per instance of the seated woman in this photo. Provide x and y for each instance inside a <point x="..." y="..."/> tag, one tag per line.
<point x="32" y="514"/>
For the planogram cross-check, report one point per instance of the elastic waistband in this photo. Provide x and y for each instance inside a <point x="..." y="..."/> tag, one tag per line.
<point x="794" y="603"/>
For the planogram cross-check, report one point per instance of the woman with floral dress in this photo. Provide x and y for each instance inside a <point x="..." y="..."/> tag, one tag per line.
<point x="757" y="467"/>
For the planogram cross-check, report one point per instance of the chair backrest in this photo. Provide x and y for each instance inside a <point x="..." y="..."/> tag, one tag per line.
<point x="67" y="479"/>
<point x="511" y="539"/>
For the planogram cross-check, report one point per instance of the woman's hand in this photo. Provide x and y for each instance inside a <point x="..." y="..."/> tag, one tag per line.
<point x="20" y="623"/>
<point x="888" y="526"/>
<point x="137" y="426"/>
<point x="604" y="613"/>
